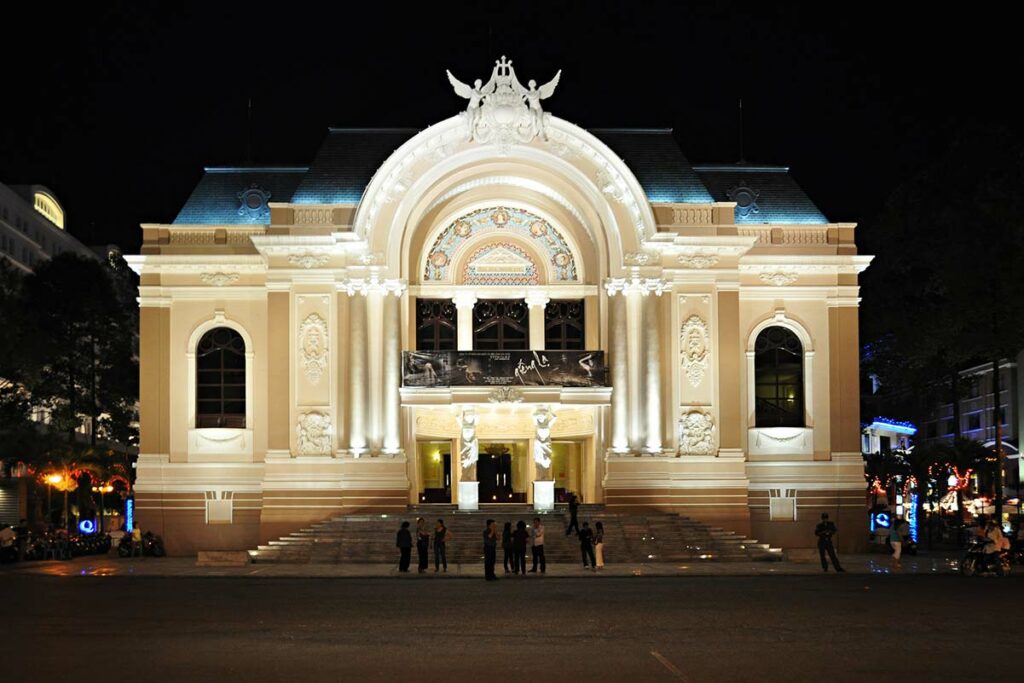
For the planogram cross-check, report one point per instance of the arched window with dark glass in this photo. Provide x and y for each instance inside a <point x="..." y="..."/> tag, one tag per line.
<point x="778" y="379"/>
<point x="564" y="328"/>
<point x="501" y="325"/>
<point x="436" y="325"/>
<point x="220" y="379"/>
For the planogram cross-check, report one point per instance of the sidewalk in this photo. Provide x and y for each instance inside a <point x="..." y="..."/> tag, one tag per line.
<point x="186" y="567"/>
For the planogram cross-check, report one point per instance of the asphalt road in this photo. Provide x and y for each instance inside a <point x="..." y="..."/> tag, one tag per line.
<point x="810" y="628"/>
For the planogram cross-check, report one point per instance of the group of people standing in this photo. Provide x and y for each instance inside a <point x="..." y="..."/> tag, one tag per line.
<point x="441" y="536"/>
<point x="513" y="541"/>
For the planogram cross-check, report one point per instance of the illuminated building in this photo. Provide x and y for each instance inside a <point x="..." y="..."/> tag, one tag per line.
<point x="503" y="307"/>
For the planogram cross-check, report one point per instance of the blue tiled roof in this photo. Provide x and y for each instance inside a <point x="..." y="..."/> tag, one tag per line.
<point x="348" y="158"/>
<point x="657" y="162"/>
<point x="346" y="162"/>
<point x="218" y="198"/>
<point x="777" y="199"/>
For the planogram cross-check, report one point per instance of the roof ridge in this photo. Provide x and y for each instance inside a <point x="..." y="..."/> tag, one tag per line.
<point x="255" y="169"/>
<point x="754" y="168"/>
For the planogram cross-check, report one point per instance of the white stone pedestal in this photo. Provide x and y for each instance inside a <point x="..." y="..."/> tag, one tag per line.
<point x="543" y="496"/>
<point x="469" y="495"/>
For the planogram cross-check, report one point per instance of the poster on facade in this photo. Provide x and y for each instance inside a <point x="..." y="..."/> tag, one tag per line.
<point x="504" y="368"/>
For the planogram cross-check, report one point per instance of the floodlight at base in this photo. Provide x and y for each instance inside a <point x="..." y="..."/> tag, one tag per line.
<point x="469" y="495"/>
<point x="543" y="496"/>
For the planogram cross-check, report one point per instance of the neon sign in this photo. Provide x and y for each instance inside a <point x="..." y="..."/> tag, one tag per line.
<point x="87" y="526"/>
<point x="129" y="514"/>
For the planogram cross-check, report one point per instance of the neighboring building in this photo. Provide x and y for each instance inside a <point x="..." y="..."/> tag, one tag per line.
<point x="501" y="307"/>
<point x="976" y="415"/>
<point x="32" y="226"/>
<point x="884" y="434"/>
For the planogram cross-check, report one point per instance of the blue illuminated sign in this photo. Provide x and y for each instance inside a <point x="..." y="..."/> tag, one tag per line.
<point x="881" y="520"/>
<point x="87" y="526"/>
<point x="885" y="423"/>
<point x="912" y="517"/>
<point x="129" y="514"/>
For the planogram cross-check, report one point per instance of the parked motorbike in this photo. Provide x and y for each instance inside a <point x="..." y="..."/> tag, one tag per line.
<point x="152" y="545"/>
<point x="977" y="561"/>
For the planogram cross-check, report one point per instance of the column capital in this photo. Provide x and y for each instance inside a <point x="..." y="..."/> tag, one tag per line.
<point x="464" y="300"/>
<point x="645" y="285"/>
<point x="537" y="299"/>
<point x="366" y="286"/>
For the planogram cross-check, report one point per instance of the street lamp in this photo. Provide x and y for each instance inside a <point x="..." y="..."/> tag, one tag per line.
<point x="51" y="481"/>
<point x="102" y="490"/>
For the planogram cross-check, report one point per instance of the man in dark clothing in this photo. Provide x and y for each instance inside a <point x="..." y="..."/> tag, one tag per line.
<point x="21" y="532"/>
<point x="586" y="537"/>
<point x="490" y="550"/>
<point x="574" y="506"/>
<point x="825" y="531"/>
<point x="404" y="543"/>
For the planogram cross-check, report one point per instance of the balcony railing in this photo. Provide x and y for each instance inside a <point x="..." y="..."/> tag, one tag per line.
<point x="503" y="368"/>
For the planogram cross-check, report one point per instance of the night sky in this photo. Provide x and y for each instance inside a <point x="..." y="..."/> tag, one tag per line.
<point x="117" y="106"/>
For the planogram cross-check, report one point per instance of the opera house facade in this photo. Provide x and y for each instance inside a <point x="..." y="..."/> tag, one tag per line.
<point x="503" y="308"/>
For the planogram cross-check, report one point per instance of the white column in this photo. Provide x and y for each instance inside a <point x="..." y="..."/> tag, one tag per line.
<point x="464" y="302"/>
<point x="650" y="364"/>
<point x="392" y="375"/>
<point x="618" y="364"/>
<point x="359" y="373"/>
<point x="537" y="303"/>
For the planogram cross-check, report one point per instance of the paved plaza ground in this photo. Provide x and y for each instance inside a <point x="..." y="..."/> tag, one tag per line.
<point x="158" y="620"/>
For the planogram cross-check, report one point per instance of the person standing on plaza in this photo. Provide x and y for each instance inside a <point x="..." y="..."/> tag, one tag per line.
<point x="519" y="539"/>
<point x="137" y="542"/>
<point x="537" y="545"/>
<point x="897" y="534"/>
<point x="825" y="531"/>
<point x="506" y="546"/>
<point x="490" y="550"/>
<point x="586" y="536"/>
<point x="422" y="543"/>
<point x="574" y="508"/>
<point x="403" y="541"/>
<point x="441" y="539"/>
<point x="599" y="543"/>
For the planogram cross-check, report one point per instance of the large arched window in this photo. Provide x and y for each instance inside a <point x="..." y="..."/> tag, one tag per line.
<point x="501" y="325"/>
<point x="778" y="379"/>
<point x="436" y="325"/>
<point x="220" y="379"/>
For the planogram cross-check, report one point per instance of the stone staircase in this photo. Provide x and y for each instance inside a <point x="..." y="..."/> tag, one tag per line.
<point x="629" y="537"/>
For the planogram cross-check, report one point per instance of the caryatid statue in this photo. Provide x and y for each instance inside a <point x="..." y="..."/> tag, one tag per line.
<point x="469" y="451"/>
<point x="543" y="418"/>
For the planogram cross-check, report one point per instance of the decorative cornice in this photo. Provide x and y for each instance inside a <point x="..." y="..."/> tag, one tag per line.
<point x="505" y="395"/>
<point x="366" y="286"/>
<point x="699" y="261"/>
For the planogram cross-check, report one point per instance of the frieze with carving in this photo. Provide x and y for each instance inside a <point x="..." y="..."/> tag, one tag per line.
<point x="313" y="344"/>
<point x="696" y="433"/>
<point x="314" y="433"/>
<point x="219" y="279"/>
<point x="308" y="261"/>
<point x="698" y="261"/>
<point x="779" y="279"/>
<point x="695" y="348"/>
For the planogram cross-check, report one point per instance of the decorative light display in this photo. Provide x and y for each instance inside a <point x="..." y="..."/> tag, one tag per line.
<point x="129" y="514"/>
<point x="87" y="526"/>
<point x="886" y="423"/>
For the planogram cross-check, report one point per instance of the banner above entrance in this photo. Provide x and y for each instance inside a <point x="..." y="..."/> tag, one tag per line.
<point x="503" y="368"/>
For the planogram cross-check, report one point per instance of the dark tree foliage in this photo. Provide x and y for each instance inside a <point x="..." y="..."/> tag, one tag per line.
<point x="947" y="289"/>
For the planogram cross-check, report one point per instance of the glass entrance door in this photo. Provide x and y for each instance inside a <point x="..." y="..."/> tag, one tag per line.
<point x="435" y="471"/>
<point x="500" y="472"/>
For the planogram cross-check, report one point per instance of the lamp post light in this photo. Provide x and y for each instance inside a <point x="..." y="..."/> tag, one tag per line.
<point x="51" y="481"/>
<point x="103" y="489"/>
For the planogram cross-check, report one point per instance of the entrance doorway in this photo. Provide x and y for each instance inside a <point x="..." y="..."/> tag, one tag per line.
<point x="435" y="471"/>
<point x="567" y="469"/>
<point x="501" y="472"/>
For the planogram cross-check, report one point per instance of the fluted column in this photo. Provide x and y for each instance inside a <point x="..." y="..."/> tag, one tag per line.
<point x="650" y="366"/>
<point x="464" y="302"/>
<point x="359" y="373"/>
<point x="537" y="303"/>
<point x="392" y="357"/>
<point x="618" y="363"/>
